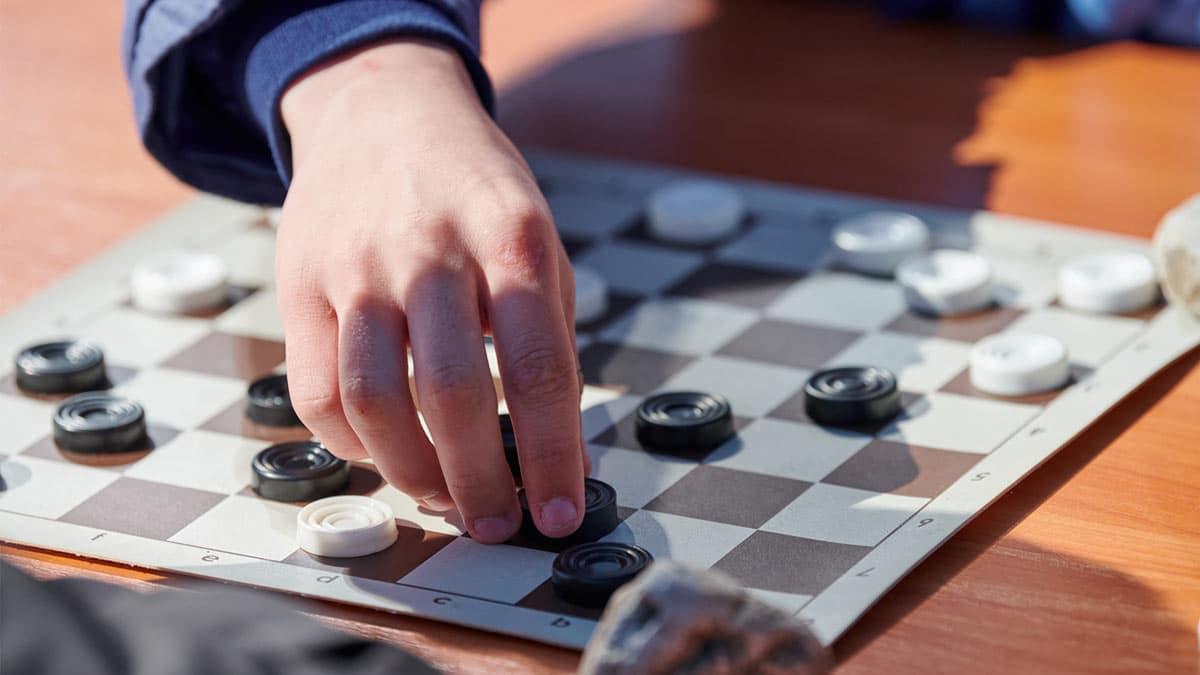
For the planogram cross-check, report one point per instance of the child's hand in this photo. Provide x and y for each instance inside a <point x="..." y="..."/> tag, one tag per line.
<point x="411" y="220"/>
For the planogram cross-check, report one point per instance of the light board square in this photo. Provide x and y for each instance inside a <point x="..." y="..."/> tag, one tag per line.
<point x="135" y="338"/>
<point x="953" y="422"/>
<point x="203" y="460"/>
<point x="669" y="537"/>
<point x="789" y="449"/>
<point x="245" y="525"/>
<point x="256" y="316"/>
<point x="680" y="326"/>
<point x="639" y="268"/>
<point x="1090" y="338"/>
<point x="511" y="571"/>
<point x="920" y="363"/>
<point x="409" y="513"/>
<point x="588" y="215"/>
<point x="637" y="476"/>
<point x="46" y="488"/>
<point x="842" y="301"/>
<point x="179" y="398"/>
<point x="844" y="515"/>
<point x="25" y="421"/>
<point x="1022" y="281"/>
<point x="753" y="389"/>
<point x="598" y="416"/>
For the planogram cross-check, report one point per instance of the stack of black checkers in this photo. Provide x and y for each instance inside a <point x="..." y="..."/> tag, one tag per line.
<point x="599" y="515"/>
<point x="684" y="422"/>
<point x="61" y="367"/>
<point x="300" y="471"/>
<point x="852" y="396"/>
<point x="100" y="422"/>
<point x="269" y="403"/>
<point x="588" y="574"/>
<point x="509" y="439"/>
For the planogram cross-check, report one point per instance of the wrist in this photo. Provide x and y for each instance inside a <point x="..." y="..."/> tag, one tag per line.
<point x="399" y="77"/>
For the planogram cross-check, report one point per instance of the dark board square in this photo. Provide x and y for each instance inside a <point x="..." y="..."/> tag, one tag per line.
<point x="728" y="496"/>
<point x="898" y="468"/>
<point x="967" y="328"/>
<point x="544" y="599"/>
<point x="961" y="384"/>
<point x="618" y="303"/>
<point x="793" y="410"/>
<point x="233" y="421"/>
<point x="756" y="562"/>
<point x="785" y="343"/>
<point x="230" y="356"/>
<point x="574" y="246"/>
<point x="413" y="546"/>
<point x="143" y="508"/>
<point x="156" y="437"/>
<point x="623" y="434"/>
<point x="735" y="285"/>
<point x="632" y="368"/>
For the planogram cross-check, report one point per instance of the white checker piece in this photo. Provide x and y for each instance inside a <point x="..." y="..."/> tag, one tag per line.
<point x="1089" y="338"/>
<point x="49" y="489"/>
<point x="512" y="571"/>
<point x="202" y="460"/>
<point x="788" y="449"/>
<point x="260" y="528"/>
<point x="591" y="216"/>
<point x="669" y="537"/>
<point x="25" y="421"/>
<point x="753" y="389"/>
<point x="640" y="269"/>
<point x="844" y="515"/>
<point x="130" y="337"/>
<point x="256" y="316"/>
<point x="842" y="301"/>
<point x="781" y="246"/>
<point x="920" y="363"/>
<point x="636" y="475"/>
<point x="680" y="326"/>
<point x="181" y="398"/>
<point x="962" y="423"/>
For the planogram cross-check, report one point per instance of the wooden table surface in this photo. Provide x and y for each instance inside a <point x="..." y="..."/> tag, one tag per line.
<point x="1090" y="565"/>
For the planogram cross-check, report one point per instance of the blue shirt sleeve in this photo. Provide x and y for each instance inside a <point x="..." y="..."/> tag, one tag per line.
<point x="207" y="75"/>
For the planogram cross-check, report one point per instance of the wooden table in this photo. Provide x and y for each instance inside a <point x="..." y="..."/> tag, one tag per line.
<point x="1090" y="565"/>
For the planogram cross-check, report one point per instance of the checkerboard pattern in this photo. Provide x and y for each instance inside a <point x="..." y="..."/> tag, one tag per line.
<point x="786" y="506"/>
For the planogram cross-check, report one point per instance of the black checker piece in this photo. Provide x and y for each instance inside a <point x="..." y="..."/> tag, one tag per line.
<point x="588" y="574"/>
<point x="600" y="515"/>
<point x="269" y="403"/>
<point x="852" y="396"/>
<point x="61" y="367"/>
<point x="684" y="422"/>
<point x="99" y="422"/>
<point x="300" y="471"/>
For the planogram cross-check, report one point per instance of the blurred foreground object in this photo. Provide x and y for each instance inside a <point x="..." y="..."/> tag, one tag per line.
<point x="1177" y="252"/>
<point x="675" y="619"/>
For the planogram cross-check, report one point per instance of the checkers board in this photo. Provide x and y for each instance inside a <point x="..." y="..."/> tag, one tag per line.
<point x="819" y="521"/>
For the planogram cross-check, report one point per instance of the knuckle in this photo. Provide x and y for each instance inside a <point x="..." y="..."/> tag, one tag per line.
<point x="548" y="453"/>
<point x="542" y="374"/>
<point x="469" y="483"/>
<point x="454" y="386"/>
<point x="523" y="245"/>
<point x="314" y="407"/>
<point x="370" y="396"/>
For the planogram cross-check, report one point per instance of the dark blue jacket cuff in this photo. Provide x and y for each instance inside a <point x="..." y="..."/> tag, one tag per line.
<point x="302" y="41"/>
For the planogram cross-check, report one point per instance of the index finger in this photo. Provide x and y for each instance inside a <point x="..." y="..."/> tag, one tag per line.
<point x="539" y="371"/>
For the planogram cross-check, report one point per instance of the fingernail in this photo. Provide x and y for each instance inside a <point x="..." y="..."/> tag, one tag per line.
<point x="440" y="503"/>
<point x="491" y="530"/>
<point x="558" y="515"/>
